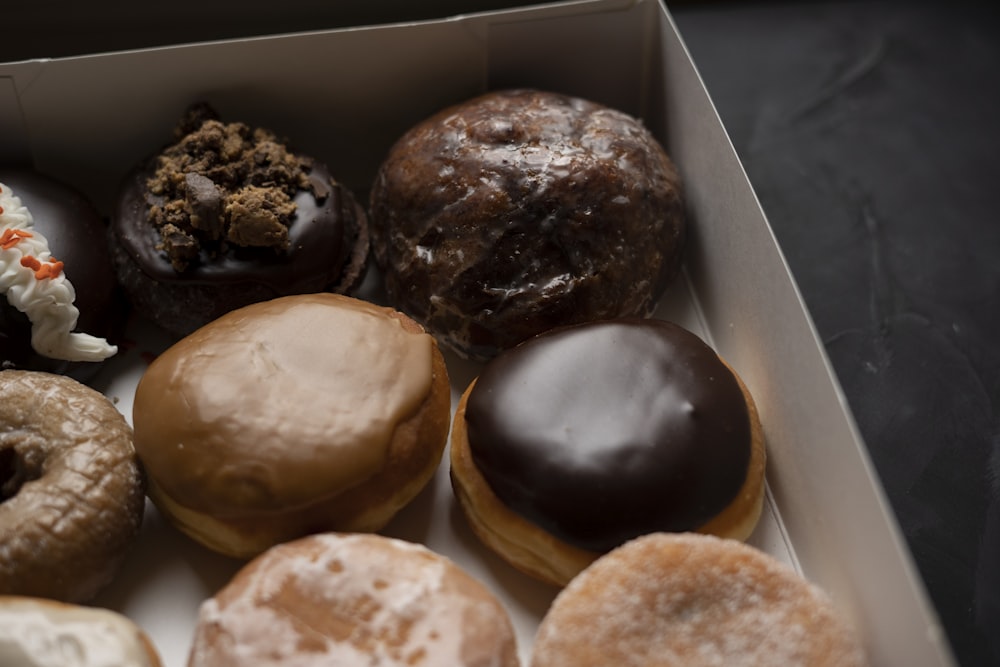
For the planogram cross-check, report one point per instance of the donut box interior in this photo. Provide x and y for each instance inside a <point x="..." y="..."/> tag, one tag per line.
<point x="88" y="119"/>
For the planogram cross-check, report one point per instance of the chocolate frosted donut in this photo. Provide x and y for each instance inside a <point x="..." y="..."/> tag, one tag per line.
<point x="590" y="435"/>
<point x="518" y="211"/>
<point x="61" y="221"/>
<point x="228" y="216"/>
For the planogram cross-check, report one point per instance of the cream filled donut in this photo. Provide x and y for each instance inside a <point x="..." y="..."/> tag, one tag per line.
<point x="297" y="415"/>
<point x="587" y="436"/>
<point x="690" y="600"/>
<point x="71" y="489"/>
<point x="60" y="299"/>
<point x="337" y="599"/>
<point x="42" y="633"/>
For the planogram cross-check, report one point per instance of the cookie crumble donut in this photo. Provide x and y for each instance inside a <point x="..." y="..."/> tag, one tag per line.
<point x="35" y="632"/>
<point x="352" y="600"/>
<point x="691" y="600"/>
<point x="71" y="489"/>
<point x="586" y="436"/>
<point x="229" y="215"/>
<point x="297" y="415"/>
<point x="520" y="210"/>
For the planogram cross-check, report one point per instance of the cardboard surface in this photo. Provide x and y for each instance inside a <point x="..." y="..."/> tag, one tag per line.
<point x="89" y="119"/>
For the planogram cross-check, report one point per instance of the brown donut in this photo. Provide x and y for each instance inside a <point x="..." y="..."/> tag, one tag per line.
<point x="518" y="211"/>
<point x="227" y="216"/>
<point x="70" y="485"/>
<point x="35" y="633"/>
<point x="587" y="436"/>
<point x="353" y="600"/>
<point x="693" y="600"/>
<point x="297" y="415"/>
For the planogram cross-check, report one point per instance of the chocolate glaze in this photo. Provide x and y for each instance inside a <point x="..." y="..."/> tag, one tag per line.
<point x="602" y="432"/>
<point x="76" y="236"/>
<point x="320" y="241"/>
<point x="522" y="210"/>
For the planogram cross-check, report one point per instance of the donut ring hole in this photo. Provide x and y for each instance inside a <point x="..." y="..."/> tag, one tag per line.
<point x="16" y="469"/>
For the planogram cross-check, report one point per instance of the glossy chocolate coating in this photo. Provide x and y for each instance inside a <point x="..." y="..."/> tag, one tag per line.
<point x="327" y="250"/>
<point x="519" y="211"/>
<point x="602" y="432"/>
<point x="77" y="237"/>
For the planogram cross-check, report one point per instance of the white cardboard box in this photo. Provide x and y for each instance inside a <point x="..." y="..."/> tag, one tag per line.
<point x="344" y="96"/>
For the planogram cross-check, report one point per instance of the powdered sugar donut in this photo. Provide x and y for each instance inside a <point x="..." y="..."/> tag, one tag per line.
<point x="353" y="599"/>
<point x="694" y="600"/>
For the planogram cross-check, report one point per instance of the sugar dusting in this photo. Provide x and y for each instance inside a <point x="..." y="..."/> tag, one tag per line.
<point x="334" y="599"/>
<point x="692" y="600"/>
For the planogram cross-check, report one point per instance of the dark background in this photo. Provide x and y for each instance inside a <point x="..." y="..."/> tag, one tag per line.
<point x="869" y="131"/>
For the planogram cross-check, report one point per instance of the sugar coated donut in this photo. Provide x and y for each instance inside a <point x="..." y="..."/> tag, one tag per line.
<point x="520" y="210"/>
<point x="71" y="489"/>
<point x="43" y="633"/>
<point x="297" y="415"/>
<point x="229" y="215"/>
<point x="693" y="600"/>
<point x="61" y="301"/>
<point x="337" y="599"/>
<point x="589" y="435"/>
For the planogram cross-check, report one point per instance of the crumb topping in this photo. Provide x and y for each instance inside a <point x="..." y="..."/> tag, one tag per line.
<point x="224" y="183"/>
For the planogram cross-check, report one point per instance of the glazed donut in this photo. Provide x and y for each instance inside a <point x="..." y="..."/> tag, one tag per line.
<point x="71" y="489"/>
<point x="227" y="216"/>
<point x="43" y="633"/>
<point x="590" y="435"/>
<point x="353" y="600"/>
<point x="521" y="210"/>
<point x="56" y="277"/>
<point x="693" y="600"/>
<point x="297" y="415"/>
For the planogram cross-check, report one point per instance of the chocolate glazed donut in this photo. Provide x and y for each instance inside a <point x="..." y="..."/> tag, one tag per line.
<point x="518" y="211"/>
<point x="77" y="237"/>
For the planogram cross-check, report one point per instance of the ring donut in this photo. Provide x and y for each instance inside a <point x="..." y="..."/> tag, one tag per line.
<point x="71" y="490"/>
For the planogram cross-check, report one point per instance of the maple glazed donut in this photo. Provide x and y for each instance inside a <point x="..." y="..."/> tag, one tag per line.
<point x="229" y="215"/>
<point x="61" y="300"/>
<point x="690" y="600"/>
<point x="586" y="436"/>
<point x="297" y="415"/>
<point x="353" y="600"/>
<point x="521" y="210"/>
<point x="71" y="489"/>
<point x="35" y="632"/>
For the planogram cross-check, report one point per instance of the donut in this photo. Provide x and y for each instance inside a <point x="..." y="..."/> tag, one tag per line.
<point x="693" y="600"/>
<point x="228" y="215"/>
<point x="35" y="632"/>
<point x="62" y="302"/>
<point x="71" y="489"/>
<point x="521" y="210"/>
<point x="589" y="435"/>
<point x="297" y="415"/>
<point x="353" y="599"/>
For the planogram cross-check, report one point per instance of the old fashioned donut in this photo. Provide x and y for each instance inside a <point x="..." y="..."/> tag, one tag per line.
<point x="338" y="599"/>
<point x="228" y="215"/>
<point x="589" y="435"/>
<point x="693" y="600"/>
<point x="59" y="299"/>
<point x="297" y="415"/>
<point x="520" y="210"/>
<point x="71" y="489"/>
<point x="35" y="632"/>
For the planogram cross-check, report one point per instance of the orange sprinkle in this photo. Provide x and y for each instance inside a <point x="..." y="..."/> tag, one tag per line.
<point x="50" y="270"/>
<point x="11" y="237"/>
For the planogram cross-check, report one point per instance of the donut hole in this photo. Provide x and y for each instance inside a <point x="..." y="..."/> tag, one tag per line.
<point x="15" y="471"/>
